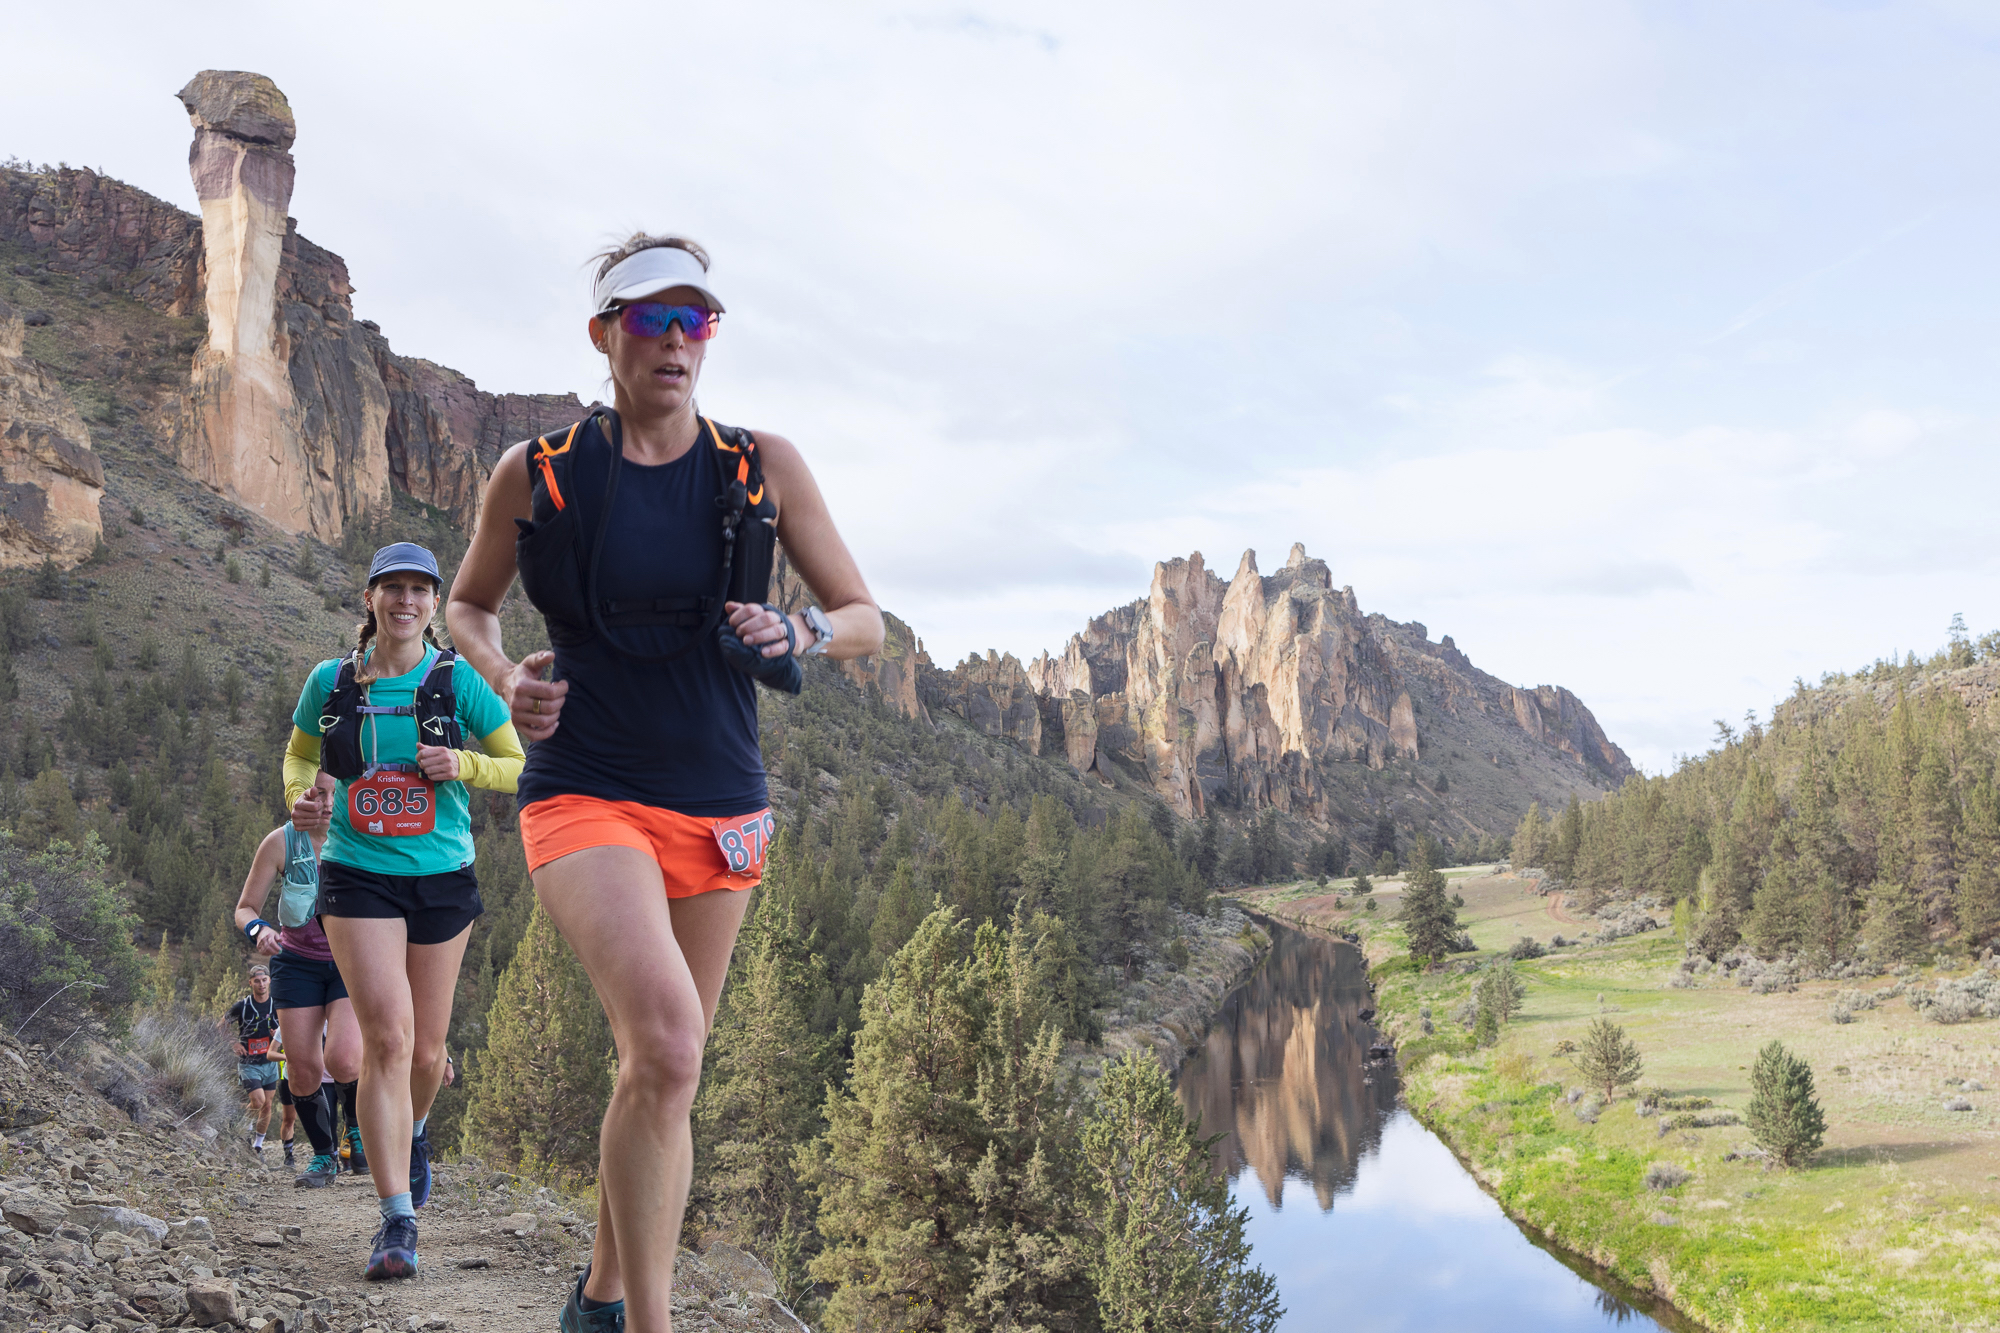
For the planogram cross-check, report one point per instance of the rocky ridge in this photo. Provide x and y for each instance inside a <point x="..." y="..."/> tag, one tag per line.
<point x="136" y="1225"/>
<point x="1261" y="692"/>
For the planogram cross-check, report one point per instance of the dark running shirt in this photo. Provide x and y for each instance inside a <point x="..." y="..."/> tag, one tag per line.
<point x="255" y="1024"/>
<point x="680" y="735"/>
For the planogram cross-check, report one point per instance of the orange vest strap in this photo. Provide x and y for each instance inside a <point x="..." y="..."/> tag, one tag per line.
<point x="548" y="470"/>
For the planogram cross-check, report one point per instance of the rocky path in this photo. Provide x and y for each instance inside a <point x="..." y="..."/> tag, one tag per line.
<point x="111" y="1227"/>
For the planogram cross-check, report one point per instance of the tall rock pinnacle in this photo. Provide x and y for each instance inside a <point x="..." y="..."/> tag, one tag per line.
<point x="241" y="429"/>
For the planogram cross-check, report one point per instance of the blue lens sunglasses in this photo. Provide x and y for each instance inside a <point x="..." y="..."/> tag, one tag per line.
<point x="652" y="319"/>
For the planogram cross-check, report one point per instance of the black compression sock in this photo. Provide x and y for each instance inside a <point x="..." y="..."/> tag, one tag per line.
<point x="316" y="1114"/>
<point x="347" y="1091"/>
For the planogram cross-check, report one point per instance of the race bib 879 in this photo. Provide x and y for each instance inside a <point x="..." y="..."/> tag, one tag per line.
<point x="745" y="840"/>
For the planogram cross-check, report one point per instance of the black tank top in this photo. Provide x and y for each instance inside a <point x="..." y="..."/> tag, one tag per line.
<point x="678" y="735"/>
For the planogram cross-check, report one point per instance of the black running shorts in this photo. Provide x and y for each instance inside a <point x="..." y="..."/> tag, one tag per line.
<point x="305" y="983"/>
<point x="436" y="908"/>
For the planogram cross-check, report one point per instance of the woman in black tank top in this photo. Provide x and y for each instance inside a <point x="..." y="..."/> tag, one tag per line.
<point x="643" y="800"/>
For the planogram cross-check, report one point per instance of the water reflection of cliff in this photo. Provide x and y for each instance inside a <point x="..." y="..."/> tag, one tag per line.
<point x="1284" y="1074"/>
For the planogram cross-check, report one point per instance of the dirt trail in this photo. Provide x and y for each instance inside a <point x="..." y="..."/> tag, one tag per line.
<point x="115" y="1223"/>
<point x="474" y="1271"/>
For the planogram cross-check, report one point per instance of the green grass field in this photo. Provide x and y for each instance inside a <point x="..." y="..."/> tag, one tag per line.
<point x="1895" y="1224"/>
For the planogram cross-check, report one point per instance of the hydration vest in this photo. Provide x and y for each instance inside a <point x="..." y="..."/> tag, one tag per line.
<point x="560" y="576"/>
<point x="299" y="895"/>
<point x="435" y="710"/>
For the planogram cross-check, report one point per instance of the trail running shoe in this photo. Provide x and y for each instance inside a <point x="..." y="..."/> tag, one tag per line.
<point x="289" y="1159"/>
<point x="321" y="1173"/>
<point x="356" y="1155"/>
<point x="395" y="1250"/>
<point x="420" y="1169"/>
<point x="608" y="1318"/>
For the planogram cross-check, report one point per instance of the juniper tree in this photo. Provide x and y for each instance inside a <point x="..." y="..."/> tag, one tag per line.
<point x="1607" y="1058"/>
<point x="1784" y="1116"/>
<point x="538" y="1095"/>
<point x="761" y="1093"/>
<point x="1172" y="1256"/>
<point x="893" y="1170"/>
<point x="1430" y="922"/>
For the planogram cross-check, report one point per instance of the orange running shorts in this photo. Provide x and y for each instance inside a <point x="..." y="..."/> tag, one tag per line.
<point x="697" y="853"/>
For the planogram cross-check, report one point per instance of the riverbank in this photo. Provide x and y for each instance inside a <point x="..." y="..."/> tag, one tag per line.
<point x="1894" y="1224"/>
<point x="1167" y="1009"/>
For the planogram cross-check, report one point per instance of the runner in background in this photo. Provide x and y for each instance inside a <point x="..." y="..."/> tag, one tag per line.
<point x="286" y="1107"/>
<point x="256" y="1020"/>
<point x="391" y="722"/>
<point x="314" y="1013"/>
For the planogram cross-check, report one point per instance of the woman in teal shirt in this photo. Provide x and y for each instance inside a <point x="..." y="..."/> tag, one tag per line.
<point x="397" y="894"/>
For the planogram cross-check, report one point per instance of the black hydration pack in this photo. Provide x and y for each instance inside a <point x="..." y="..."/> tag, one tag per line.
<point x="560" y="577"/>
<point x="435" y="709"/>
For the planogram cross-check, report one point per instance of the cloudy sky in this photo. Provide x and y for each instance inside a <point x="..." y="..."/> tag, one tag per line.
<point x="1648" y="349"/>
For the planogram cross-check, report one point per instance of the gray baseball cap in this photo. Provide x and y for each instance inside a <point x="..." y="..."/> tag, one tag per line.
<point x="400" y="556"/>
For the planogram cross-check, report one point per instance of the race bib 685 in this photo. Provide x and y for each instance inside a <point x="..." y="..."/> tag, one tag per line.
<point x="392" y="805"/>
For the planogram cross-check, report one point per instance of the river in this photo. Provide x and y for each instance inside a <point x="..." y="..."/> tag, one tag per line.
<point x="1366" y="1219"/>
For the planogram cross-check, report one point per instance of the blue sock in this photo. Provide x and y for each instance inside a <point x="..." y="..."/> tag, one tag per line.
<point x="417" y="1130"/>
<point x="398" y="1205"/>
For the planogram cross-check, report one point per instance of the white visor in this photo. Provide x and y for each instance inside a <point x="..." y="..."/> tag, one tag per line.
<point x="650" y="271"/>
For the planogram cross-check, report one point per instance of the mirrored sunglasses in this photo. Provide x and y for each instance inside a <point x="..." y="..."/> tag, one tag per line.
<point x="652" y="319"/>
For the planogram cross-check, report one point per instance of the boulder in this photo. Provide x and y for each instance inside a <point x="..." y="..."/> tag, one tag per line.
<point x="739" y="1270"/>
<point x="190" y="1231"/>
<point x="99" y="1219"/>
<point x="211" y="1302"/>
<point x="32" y="1213"/>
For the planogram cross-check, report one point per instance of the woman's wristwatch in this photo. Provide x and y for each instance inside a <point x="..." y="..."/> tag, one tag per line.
<point x="822" y="629"/>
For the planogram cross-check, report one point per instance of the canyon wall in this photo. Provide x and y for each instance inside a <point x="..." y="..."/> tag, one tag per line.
<point x="50" y="477"/>
<point x="293" y="408"/>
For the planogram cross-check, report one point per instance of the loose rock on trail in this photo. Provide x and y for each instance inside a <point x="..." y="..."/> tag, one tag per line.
<point x="114" y="1228"/>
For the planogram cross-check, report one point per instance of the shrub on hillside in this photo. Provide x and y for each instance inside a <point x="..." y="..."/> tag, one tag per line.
<point x="1667" y="1176"/>
<point x="1960" y="1001"/>
<point x="65" y="940"/>
<point x="1527" y="947"/>
<point x="194" y="1063"/>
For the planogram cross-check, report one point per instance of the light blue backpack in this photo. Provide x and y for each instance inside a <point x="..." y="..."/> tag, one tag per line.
<point x="301" y="892"/>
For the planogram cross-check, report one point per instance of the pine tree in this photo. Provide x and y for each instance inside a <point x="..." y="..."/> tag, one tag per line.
<point x="1530" y="839"/>
<point x="1430" y="922"/>
<point x="539" y="1097"/>
<point x="161" y="990"/>
<point x="1607" y="1058"/>
<point x="1978" y="904"/>
<point x="1894" y="928"/>
<point x="760" y="1096"/>
<point x="1173" y="1257"/>
<point x="1784" y="1116"/>
<point x="893" y="1170"/>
